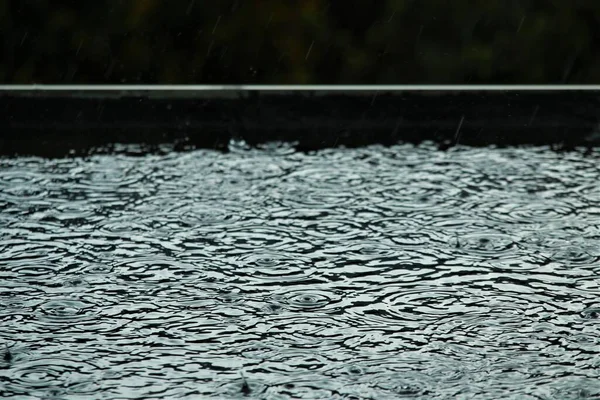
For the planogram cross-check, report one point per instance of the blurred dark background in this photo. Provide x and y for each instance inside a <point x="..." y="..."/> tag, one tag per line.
<point x="300" y="42"/>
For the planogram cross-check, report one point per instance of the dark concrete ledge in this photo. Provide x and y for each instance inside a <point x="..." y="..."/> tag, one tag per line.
<point x="75" y="121"/>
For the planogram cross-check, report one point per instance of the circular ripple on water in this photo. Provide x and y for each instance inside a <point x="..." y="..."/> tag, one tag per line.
<point x="228" y="294"/>
<point x="335" y="229"/>
<point x="298" y="339"/>
<point x="591" y="192"/>
<point x="55" y="376"/>
<point x="456" y="222"/>
<point x="276" y="149"/>
<point x="393" y="305"/>
<point x="18" y="177"/>
<point x="308" y="386"/>
<point x="301" y="197"/>
<point x="486" y="244"/>
<point x="122" y="227"/>
<point x="533" y="211"/>
<point x="591" y="313"/>
<point x="416" y="197"/>
<point x="259" y="351"/>
<point x="74" y="212"/>
<point x="325" y="178"/>
<point x="259" y="237"/>
<point x="97" y="269"/>
<point x="377" y="250"/>
<point x="546" y="239"/>
<point x="368" y="250"/>
<point x="34" y="271"/>
<point x="154" y="269"/>
<point x="408" y="385"/>
<point x="571" y="388"/>
<point x="66" y="311"/>
<point x="406" y="232"/>
<point x="201" y="214"/>
<point x="558" y="247"/>
<point x="20" y="185"/>
<point x="415" y="238"/>
<point x="394" y="226"/>
<point x="573" y="255"/>
<point x="275" y="266"/>
<point x="253" y="168"/>
<point x="110" y="175"/>
<point x="394" y="258"/>
<point x="482" y="326"/>
<point x="582" y="342"/>
<point x="308" y="300"/>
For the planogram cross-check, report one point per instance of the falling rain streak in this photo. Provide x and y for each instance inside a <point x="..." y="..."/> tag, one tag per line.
<point x="309" y="49"/>
<point x="457" y="134"/>
<point x="373" y="273"/>
<point x="216" y="24"/>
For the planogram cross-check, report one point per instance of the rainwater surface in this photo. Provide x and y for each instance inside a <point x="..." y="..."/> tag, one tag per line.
<point x="398" y="272"/>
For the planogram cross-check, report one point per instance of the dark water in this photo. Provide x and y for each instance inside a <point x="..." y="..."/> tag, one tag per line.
<point x="374" y="273"/>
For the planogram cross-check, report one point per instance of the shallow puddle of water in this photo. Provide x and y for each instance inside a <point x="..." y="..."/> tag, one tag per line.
<point x="372" y="273"/>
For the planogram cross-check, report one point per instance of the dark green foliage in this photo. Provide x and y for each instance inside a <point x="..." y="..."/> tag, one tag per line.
<point x="308" y="41"/>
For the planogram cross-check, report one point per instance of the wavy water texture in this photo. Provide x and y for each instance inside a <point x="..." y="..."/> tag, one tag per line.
<point x="396" y="272"/>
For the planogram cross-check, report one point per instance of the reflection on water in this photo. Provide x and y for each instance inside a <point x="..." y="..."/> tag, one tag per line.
<point x="374" y="273"/>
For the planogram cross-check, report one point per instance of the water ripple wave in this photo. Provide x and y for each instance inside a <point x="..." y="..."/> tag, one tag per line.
<point x="399" y="272"/>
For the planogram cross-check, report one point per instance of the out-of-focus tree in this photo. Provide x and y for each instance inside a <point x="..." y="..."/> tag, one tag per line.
<point x="301" y="41"/>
